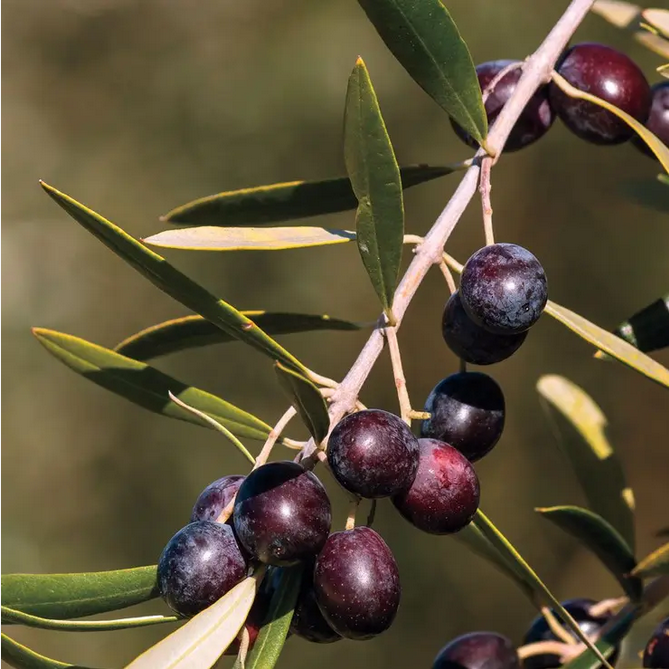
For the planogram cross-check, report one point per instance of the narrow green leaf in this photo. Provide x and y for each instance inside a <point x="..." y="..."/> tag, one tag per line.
<point x="620" y="14"/>
<point x="506" y="548"/>
<point x="655" y="43"/>
<point x="580" y="428"/>
<point x="658" y="19"/>
<point x="14" y="617"/>
<point x="654" y="144"/>
<point x="602" y="539"/>
<point x="181" y="334"/>
<point x="145" y="385"/>
<point x="272" y="635"/>
<point x="214" y="238"/>
<point x="204" y="638"/>
<point x="307" y="400"/>
<point x="663" y="178"/>
<point x="170" y="280"/>
<point x="375" y="177"/>
<point x="472" y="537"/>
<point x="655" y="564"/>
<point x="287" y="201"/>
<point x="609" y="343"/>
<point x="21" y="657"/>
<point x="75" y="595"/>
<point x="611" y="638"/>
<point x="425" y="40"/>
<point x="664" y="70"/>
<point x="648" y="329"/>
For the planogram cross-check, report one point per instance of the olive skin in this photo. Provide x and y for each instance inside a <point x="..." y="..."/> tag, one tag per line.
<point x="357" y="583"/>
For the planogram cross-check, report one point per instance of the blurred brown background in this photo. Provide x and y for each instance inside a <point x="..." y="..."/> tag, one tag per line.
<point x="135" y="107"/>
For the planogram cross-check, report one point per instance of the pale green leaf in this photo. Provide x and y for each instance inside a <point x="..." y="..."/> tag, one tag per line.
<point x="654" y="564"/>
<point x="609" y="343"/>
<point x="204" y="638"/>
<point x="14" y="617"/>
<point x="214" y="238"/>
<point x="654" y="144"/>
<point x="620" y="14"/>
<point x="580" y="428"/>
<point x="658" y="19"/>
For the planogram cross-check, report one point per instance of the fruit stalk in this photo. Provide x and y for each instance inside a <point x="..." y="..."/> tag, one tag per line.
<point x="536" y="71"/>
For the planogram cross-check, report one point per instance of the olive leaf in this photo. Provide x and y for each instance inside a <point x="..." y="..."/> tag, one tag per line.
<point x="653" y="143"/>
<point x="21" y="657"/>
<point x="654" y="564"/>
<point x="273" y="634"/>
<point x="79" y="594"/>
<point x="14" y="617"/>
<point x="204" y="638"/>
<point x="181" y="334"/>
<point x="647" y="329"/>
<point x="425" y="40"/>
<point x="609" y="343"/>
<point x="657" y="19"/>
<point x="620" y="14"/>
<point x="580" y="429"/>
<point x="170" y="280"/>
<point x="497" y="539"/>
<point x="213" y="238"/>
<point x="608" y="643"/>
<point x="289" y="200"/>
<point x="602" y="539"/>
<point x="145" y="385"/>
<point x="375" y="177"/>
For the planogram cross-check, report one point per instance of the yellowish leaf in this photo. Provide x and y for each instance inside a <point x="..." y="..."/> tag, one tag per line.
<point x="658" y="18"/>
<point x="204" y="638"/>
<point x="620" y="14"/>
<point x="654" y="144"/>
<point x="214" y="238"/>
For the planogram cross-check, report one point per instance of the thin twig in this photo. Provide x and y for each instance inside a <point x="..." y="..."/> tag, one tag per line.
<point x="420" y="415"/>
<point x="244" y="643"/>
<point x="274" y="434"/>
<point x="607" y="606"/>
<point x="492" y="84"/>
<point x="557" y="629"/>
<point x="398" y="373"/>
<point x="463" y="365"/>
<point x="413" y="239"/>
<point x="563" y="650"/>
<point x="448" y="275"/>
<point x="215" y="424"/>
<point x="536" y="71"/>
<point x="322" y="380"/>
<point x="485" y="186"/>
<point x="352" y="510"/>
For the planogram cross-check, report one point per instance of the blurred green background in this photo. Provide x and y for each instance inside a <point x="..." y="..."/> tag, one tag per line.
<point x="136" y="107"/>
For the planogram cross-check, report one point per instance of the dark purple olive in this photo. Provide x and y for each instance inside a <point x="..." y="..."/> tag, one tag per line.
<point x="478" y="650"/>
<point x="445" y="493"/>
<point x="373" y="453"/>
<point x="200" y="563"/>
<point x="282" y="514"/>
<point x="357" y="583"/>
